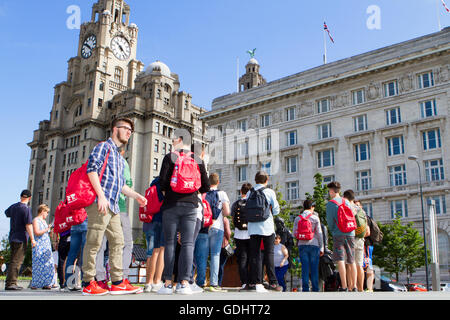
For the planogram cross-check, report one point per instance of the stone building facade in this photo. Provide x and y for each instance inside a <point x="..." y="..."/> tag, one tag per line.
<point x="104" y="81"/>
<point x="357" y="121"/>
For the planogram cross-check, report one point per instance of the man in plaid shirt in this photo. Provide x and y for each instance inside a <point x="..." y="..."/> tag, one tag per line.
<point x="103" y="216"/>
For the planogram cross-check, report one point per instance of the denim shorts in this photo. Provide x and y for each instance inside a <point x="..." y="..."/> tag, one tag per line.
<point x="154" y="237"/>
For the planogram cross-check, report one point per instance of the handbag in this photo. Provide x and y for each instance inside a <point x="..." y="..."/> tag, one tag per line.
<point x="228" y="250"/>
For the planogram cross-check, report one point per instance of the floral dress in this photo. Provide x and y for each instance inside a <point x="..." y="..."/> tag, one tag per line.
<point x="44" y="274"/>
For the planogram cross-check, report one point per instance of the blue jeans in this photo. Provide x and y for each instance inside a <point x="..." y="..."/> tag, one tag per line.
<point x="208" y="244"/>
<point x="309" y="258"/>
<point x="154" y="237"/>
<point x="77" y="241"/>
<point x="280" y="272"/>
<point x="201" y="257"/>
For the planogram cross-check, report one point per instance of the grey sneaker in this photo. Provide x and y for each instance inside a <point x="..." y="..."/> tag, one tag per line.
<point x="156" y="287"/>
<point x="183" y="289"/>
<point x="195" y="288"/>
<point x="166" y="290"/>
<point x="148" y="288"/>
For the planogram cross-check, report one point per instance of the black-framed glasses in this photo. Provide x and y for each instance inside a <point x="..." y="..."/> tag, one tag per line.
<point x="127" y="128"/>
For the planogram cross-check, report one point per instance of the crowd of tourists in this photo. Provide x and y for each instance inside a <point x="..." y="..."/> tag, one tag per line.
<point x="187" y="223"/>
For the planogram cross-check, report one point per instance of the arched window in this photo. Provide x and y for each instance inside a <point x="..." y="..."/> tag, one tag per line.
<point x="118" y="75"/>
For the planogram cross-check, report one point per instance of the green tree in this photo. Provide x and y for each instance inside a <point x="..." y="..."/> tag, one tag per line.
<point x="401" y="249"/>
<point x="319" y="197"/>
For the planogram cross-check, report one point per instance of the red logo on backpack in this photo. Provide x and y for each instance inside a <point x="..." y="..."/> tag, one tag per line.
<point x="153" y="206"/>
<point x="186" y="174"/>
<point x="346" y="220"/>
<point x="304" y="230"/>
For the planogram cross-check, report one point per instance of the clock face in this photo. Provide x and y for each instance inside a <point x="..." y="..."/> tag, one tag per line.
<point x="120" y="48"/>
<point x="88" y="46"/>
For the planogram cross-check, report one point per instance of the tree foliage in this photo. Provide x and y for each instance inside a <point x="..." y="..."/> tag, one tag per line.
<point x="402" y="248"/>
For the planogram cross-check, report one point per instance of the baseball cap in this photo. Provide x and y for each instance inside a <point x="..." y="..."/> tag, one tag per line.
<point x="25" y="193"/>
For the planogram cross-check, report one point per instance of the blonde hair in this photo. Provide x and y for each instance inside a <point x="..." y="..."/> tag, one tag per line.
<point x="43" y="207"/>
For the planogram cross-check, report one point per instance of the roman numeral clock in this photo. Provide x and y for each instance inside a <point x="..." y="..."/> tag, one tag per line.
<point x="88" y="46"/>
<point x="120" y="47"/>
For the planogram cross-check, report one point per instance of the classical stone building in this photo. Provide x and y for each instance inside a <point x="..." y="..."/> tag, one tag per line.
<point x="104" y="81"/>
<point x="357" y="121"/>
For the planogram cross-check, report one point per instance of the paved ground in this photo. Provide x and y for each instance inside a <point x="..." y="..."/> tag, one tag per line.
<point x="28" y="294"/>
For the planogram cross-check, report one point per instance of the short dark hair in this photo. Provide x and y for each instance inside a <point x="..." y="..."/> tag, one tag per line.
<point x="184" y="135"/>
<point x="308" y="204"/>
<point x="349" y="195"/>
<point x="246" y="188"/>
<point x="261" y="177"/>
<point x="335" y="186"/>
<point x="25" y="193"/>
<point x="121" y="119"/>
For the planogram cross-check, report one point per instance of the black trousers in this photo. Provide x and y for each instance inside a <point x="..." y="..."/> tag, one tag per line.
<point x="243" y="258"/>
<point x="63" y="251"/>
<point x="256" y="270"/>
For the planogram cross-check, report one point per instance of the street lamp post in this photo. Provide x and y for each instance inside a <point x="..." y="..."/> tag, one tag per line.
<point x="415" y="158"/>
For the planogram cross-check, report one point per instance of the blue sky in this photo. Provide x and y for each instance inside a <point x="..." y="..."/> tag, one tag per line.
<point x="200" y="40"/>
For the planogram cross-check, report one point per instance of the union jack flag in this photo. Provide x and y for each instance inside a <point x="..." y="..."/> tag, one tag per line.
<point x="445" y="6"/>
<point x="326" y="28"/>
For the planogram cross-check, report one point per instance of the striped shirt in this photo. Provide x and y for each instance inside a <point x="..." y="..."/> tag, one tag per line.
<point x="113" y="178"/>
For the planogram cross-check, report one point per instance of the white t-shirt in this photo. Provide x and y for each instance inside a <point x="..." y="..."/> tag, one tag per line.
<point x="223" y="197"/>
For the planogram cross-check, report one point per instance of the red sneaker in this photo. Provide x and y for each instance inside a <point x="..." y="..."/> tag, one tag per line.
<point x="104" y="285"/>
<point x="93" y="289"/>
<point x="125" y="288"/>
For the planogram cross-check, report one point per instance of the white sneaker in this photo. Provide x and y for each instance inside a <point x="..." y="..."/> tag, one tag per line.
<point x="195" y="288"/>
<point x="156" y="287"/>
<point x="260" y="289"/>
<point x="183" y="289"/>
<point x="147" y="288"/>
<point x="166" y="290"/>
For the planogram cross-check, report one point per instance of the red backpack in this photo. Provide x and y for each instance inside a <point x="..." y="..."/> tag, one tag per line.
<point x="346" y="220"/>
<point x="65" y="217"/>
<point x="207" y="212"/>
<point x="186" y="174"/>
<point x="79" y="191"/>
<point x="304" y="230"/>
<point x="153" y="205"/>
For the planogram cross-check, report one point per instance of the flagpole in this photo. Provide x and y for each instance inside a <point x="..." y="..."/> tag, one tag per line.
<point x="437" y="14"/>
<point x="324" y="47"/>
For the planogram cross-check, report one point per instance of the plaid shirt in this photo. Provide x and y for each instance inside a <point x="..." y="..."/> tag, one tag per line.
<point x="113" y="179"/>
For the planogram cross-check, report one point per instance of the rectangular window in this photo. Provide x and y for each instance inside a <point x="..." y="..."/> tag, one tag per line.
<point x="439" y="204"/>
<point x="324" y="131"/>
<point x="362" y="151"/>
<point x="242" y="125"/>
<point x="397" y="175"/>
<point x="425" y="80"/>
<point x="290" y="114"/>
<point x="50" y="161"/>
<point x="291" y="138"/>
<point x="395" y="146"/>
<point x="291" y="164"/>
<point x="368" y="208"/>
<point x="431" y="139"/>
<point x="360" y="123"/>
<point x="393" y="116"/>
<point x="325" y="158"/>
<point x="265" y="120"/>
<point x="266" y="144"/>
<point x="428" y="108"/>
<point x="157" y="125"/>
<point x="242" y="174"/>
<point x="390" y="88"/>
<point x="292" y="189"/>
<point x="434" y="170"/>
<point x="266" y="167"/>
<point x="358" y="97"/>
<point x="164" y="148"/>
<point x="156" y="146"/>
<point x="400" y="208"/>
<point x="323" y="106"/>
<point x="364" y="180"/>
<point x="155" y="164"/>
<point x="102" y="86"/>
<point x="100" y="102"/>
<point x="242" y="149"/>
<point x="328" y="179"/>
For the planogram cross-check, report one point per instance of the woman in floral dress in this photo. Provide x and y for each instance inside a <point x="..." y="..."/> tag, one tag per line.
<point x="44" y="274"/>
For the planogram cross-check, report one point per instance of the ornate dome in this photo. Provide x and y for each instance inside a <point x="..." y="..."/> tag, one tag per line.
<point x="158" y="66"/>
